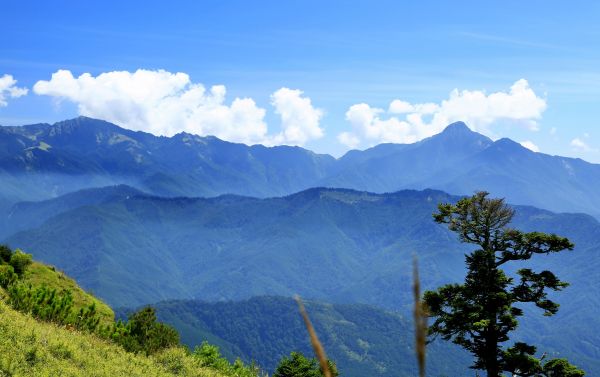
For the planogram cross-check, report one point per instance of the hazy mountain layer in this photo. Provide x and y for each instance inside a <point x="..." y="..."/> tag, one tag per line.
<point x="42" y="161"/>
<point x="329" y="244"/>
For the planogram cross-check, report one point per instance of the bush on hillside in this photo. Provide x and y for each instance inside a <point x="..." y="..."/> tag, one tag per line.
<point x="7" y="275"/>
<point x="209" y="356"/>
<point x="20" y="261"/>
<point x="87" y="318"/>
<point x="12" y="265"/>
<point x="142" y="333"/>
<point x="42" y="302"/>
<point x="51" y="305"/>
<point x="5" y="254"/>
<point x="298" y="365"/>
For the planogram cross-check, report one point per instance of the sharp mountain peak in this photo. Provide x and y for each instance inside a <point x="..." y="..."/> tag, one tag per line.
<point x="456" y="127"/>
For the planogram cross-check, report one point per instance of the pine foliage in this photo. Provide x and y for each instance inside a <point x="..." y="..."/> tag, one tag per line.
<point x="479" y="314"/>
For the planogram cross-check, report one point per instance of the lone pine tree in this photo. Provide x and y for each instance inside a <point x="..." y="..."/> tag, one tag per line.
<point x="479" y="314"/>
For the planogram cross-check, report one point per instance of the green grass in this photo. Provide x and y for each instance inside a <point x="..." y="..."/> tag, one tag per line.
<point x="32" y="348"/>
<point x="39" y="274"/>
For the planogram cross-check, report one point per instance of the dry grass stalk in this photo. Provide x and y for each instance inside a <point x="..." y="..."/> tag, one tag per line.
<point x="420" y="317"/>
<point x="314" y="340"/>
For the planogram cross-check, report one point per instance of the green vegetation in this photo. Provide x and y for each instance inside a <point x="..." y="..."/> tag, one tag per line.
<point x="46" y="304"/>
<point x="39" y="274"/>
<point x="298" y="365"/>
<point x="13" y="264"/>
<point x="143" y="333"/>
<point x="19" y="261"/>
<point x="357" y="247"/>
<point x="79" y="341"/>
<point x="39" y="290"/>
<point x="32" y="348"/>
<point x="363" y="340"/>
<point x="5" y="254"/>
<point x="210" y="357"/>
<point x="244" y="246"/>
<point x="561" y="367"/>
<point x="479" y="314"/>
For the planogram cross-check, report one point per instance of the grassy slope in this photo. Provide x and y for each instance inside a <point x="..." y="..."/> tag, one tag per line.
<point x="39" y="274"/>
<point x="32" y="348"/>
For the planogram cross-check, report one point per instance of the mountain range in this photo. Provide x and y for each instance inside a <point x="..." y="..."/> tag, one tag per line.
<point x="204" y="227"/>
<point x="42" y="161"/>
<point x="334" y="245"/>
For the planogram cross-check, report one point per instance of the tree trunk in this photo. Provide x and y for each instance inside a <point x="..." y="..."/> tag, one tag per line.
<point x="492" y="367"/>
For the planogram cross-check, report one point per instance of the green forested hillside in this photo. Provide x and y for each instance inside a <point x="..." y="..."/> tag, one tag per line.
<point x="25" y="215"/>
<point x="363" y="340"/>
<point x="319" y="243"/>
<point x="326" y="244"/>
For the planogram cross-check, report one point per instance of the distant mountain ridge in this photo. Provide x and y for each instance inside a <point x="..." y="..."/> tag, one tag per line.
<point x="336" y="245"/>
<point x="42" y="161"/>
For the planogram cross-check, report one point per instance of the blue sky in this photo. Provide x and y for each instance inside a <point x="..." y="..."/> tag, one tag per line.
<point x="340" y="64"/>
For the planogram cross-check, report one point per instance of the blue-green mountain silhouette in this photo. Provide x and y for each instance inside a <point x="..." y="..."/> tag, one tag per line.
<point x="42" y="161"/>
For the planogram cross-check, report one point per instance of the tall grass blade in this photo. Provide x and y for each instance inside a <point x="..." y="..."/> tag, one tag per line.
<point x="314" y="340"/>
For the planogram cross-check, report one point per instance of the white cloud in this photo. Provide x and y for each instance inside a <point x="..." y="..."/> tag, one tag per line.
<point x="8" y="89"/>
<point x="166" y="103"/>
<point x="400" y="107"/>
<point x="299" y="119"/>
<point x="580" y="145"/>
<point x="348" y="139"/>
<point x="530" y="145"/>
<point x="519" y="105"/>
<point x="367" y="121"/>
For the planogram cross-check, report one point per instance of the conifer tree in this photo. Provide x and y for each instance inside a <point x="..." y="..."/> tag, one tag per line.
<point x="479" y="314"/>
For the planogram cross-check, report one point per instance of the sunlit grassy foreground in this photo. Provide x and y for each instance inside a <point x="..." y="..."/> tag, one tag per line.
<point x="32" y="348"/>
<point x="39" y="274"/>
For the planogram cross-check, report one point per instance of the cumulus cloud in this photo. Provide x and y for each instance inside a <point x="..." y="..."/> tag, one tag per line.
<point x="405" y="122"/>
<point x="9" y="89"/>
<point x="299" y="119"/>
<point x="348" y="139"/>
<point x="580" y="145"/>
<point x="367" y="123"/>
<point x="530" y="145"/>
<point x="400" y="107"/>
<point x="166" y="103"/>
